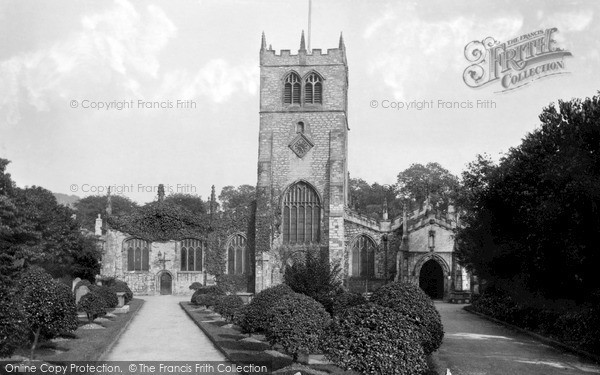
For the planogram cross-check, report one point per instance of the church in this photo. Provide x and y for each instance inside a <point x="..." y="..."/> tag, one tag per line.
<point x="302" y="203"/>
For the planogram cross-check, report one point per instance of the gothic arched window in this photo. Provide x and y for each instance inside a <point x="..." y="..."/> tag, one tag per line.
<point x="138" y="254"/>
<point x="291" y="89"/>
<point x="313" y="89"/>
<point x="191" y="254"/>
<point x="237" y="257"/>
<point x="301" y="214"/>
<point x="363" y="257"/>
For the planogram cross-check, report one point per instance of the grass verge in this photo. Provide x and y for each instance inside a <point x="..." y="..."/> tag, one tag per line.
<point x="83" y="344"/>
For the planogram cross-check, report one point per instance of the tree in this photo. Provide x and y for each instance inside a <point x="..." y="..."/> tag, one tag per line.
<point x="48" y="306"/>
<point x="534" y="218"/>
<point x="237" y="199"/>
<point x="193" y="203"/>
<point x="369" y="199"/>
<point x="418" y="182"/>
<point x="89" y="207"/>
<point x="36" y="230"/>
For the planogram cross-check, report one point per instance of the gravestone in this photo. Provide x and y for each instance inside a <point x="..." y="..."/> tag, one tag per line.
<point x="80" y="292"/>
<point x="75" y="283"/>
<point x="121" y="298"/>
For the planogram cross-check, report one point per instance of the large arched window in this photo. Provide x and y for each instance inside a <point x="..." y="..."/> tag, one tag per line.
<point x="291" y="89"/>
<point x="363" y="257"/>
<point x="191" y="254"/>
<point x="138" y="254"/>
<point x="301" y="214"/>
<point x="313" y="89"/>
<point x="237" y="257"/>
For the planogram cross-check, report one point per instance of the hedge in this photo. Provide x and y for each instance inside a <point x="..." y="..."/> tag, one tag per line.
<point x="412" y="302"/>
<point x="372" y="339"/>
<point x="296" y="322"/>
<point x="251" y="317"/>
<point x="565" y="321"/>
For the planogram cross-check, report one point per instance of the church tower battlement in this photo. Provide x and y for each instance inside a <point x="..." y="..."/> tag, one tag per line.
<point x="302" y="184"/>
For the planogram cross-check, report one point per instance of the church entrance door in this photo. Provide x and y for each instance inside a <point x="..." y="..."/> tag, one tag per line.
<point x="165" y="283"/>
<point x="431" y="279"/>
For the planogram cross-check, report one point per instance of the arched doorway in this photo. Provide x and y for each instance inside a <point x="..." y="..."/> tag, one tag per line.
<point x="166" y="283"/>
<point x="431" y="279"/>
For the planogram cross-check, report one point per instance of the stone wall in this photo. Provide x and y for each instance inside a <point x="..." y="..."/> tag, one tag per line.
<point x="114" y="264"/>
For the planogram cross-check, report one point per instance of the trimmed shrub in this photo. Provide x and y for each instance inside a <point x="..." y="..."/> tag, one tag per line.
<point x="228" y="305"/>
<point x="296" y="322"/>
<point x="110" y="297"/>
<point x="207" y="295"/>
<point x="196" y="285"/>
<point x="252" y="316"/>
<point x="48" y="306"/>
<point x="119" y="286"/>
<point x="372" y="339"/>
<point x="12" y="325"/>
<point x="412" y="302"/>
<point x="93" y="305"/>
<point x="345" y="300"/>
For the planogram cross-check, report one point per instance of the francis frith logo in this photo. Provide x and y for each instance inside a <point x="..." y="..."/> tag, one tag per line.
<point x="514" y="63"/>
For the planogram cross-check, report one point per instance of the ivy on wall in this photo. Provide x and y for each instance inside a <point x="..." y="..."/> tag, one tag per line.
<point x="161" y="221"/>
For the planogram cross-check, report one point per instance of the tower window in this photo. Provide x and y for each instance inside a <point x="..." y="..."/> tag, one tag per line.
<point x="363" y="257"/>
<point x="313" y="89"/>
<point x="138" y="254"/>
<point x="301" y="214"/>
<point x="292" y="89"/>
<point x="237" y="255"/>
<point x="191" y="254"/>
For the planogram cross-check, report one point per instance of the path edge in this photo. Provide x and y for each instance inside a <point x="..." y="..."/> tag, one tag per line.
<point x="210" y="337"/>
<point x="121" y="331"/>
<point x="544" y="339"/>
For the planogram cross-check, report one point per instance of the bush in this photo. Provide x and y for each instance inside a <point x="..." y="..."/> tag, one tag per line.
<point x="108" y="295"/>
<point x="227" y="306"/>
<point x="196" y="285"/>
<point x="93" y="305"/>
<point x="345" y="300"/>
<point x="316" y="278"/>
<point x="296" y="322"/>
<point x="12" y="325"/>
<point x="410" y="301"/>
<point x="207" y="295"/>
<point x="252" y="316"/>
<point x="119" y="286"/>
<point x="373" y="339"/>
<point x="48" y="306"/>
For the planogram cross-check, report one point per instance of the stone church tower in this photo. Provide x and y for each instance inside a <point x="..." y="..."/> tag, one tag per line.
<point x="302" y="184"/>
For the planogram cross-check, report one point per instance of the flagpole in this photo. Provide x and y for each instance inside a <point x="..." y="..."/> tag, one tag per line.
<point x="309" y="16"/>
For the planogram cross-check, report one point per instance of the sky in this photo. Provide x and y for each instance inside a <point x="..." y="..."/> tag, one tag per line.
<point x="60" y="60"/>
